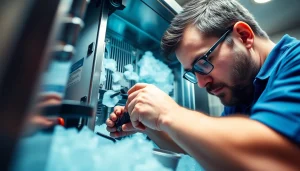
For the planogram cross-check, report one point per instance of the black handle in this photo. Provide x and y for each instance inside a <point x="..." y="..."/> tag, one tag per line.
<point x="122" y="92"/>
<point x="69" y="109"/>
<point x="122" y="120"/>
<point x="107" y="137"/>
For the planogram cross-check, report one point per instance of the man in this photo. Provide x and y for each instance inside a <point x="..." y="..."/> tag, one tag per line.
<point x="223" y="49"/>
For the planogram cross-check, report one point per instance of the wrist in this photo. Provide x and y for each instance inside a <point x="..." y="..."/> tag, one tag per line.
<point x="148" y="131"/>
<point x="166" y="121"/>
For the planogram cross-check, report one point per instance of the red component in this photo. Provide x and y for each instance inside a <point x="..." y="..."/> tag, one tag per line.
<point x="61" y="121"/>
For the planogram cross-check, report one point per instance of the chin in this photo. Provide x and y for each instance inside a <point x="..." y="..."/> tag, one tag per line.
<point x="227" y="100"/>
<point x="223" y="99"/>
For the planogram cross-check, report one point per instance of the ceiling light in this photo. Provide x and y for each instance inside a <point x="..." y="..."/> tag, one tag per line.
<point x="261" y="1"/>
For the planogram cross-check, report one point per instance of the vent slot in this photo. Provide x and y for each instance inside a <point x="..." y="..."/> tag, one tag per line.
<point x="123" y="53"/>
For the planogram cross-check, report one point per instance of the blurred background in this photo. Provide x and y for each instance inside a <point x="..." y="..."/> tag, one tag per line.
<point x="276" y="17"/>
<point x="69" y="62"/>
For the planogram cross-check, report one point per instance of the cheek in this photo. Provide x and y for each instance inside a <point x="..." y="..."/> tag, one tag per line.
<point x="222" y="72"/>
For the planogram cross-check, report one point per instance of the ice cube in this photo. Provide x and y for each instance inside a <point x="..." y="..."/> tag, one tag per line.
<point x="129" y="67"/>
<point x="108" y="101"/>
<point x="110" y="64"/>
<point x="131" y="76"/>
<point x="103" y="77"/>
<point x="116" y="77"/>
<point x="155" y="72"/>
<point x="116" y="87"/>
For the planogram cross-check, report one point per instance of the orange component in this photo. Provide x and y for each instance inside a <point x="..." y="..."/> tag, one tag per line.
<point x="61" y="121"/>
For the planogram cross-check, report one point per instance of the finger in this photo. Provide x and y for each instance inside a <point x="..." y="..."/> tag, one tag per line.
<point x="128" y="127"/>
<point x="130" y="98"/>
<point x="134" y="116"/>
<point x="131" y="106"/>
<point x="110" y="123"/>
<point x="141" y="126"/>
<point x="48" y="103"/>
<point x="121" y="134"/>
<point x="43" y="122"/>
<point x="111" y="129"/>
<point x="53" y="119"/>
<point x="137" y="87"/>
<point x="119" y="110"/>
<point x="46" y="97"/>
<point x="113" y="117"/>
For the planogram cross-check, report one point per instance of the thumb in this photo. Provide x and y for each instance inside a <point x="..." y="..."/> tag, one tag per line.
<point x="128" y="127"/>
<point x="138" y="125"/>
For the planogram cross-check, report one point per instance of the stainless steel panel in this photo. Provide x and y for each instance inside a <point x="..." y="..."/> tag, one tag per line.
<point x="143" y="22"/>
<point x="87" y="36"/>
<point x="188" y="95"/>
<point x="93" y="32"/>
<point x="201" y="100"/>
<point x="97" y="64"/>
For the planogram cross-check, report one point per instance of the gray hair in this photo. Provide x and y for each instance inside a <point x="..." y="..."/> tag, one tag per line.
<point x="211" y="17"/>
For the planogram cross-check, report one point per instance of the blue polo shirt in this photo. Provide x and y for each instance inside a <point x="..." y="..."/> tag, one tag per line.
<point x="277" y="91"/>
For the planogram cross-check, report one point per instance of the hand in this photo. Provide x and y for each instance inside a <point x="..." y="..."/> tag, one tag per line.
<point x="36" y="121"/>
<point x="148" y="106"/>
<point x="46" y="100"/>
<point x="41" y="122"/>
<point x="127" y="128"/>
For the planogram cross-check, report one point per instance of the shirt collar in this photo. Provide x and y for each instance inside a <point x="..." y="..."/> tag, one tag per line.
<point x="274" y="58"/>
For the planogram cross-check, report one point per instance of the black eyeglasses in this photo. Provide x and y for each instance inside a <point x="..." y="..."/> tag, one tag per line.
<point x="202" y="65"/>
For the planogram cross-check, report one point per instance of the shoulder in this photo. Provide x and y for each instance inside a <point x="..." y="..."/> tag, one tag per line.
<point x="291" y="54"/>
<point x="278" y="107"/>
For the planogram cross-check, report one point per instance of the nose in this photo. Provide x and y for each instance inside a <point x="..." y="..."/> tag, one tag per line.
<point x="203" y="80"/>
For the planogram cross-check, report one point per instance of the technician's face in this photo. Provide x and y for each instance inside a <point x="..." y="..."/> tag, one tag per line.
<point x="234" y="69"/>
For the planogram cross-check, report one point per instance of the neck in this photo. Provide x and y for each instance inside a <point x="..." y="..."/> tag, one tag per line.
<point x="263" y="47"/>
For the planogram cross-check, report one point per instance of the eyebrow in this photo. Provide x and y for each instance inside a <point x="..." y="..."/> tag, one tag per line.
<point x="196" y="58"/>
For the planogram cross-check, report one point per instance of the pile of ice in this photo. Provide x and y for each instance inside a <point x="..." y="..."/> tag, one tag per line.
<point x="85" y="150"/>
<point x="187" y="163"/>
<point x="153" y="71"/>
<point x="101" y="129"/>
<point x="130" y="74"/>
<point x="68" y="149"/>
<point x="110" y="101"/>
<point x="109" y="64"/>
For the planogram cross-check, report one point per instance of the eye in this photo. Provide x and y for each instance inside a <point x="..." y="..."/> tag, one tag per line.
<point x="205" y="65"/>
<point x="210" y="58"/>
<point x="201" y="62"/>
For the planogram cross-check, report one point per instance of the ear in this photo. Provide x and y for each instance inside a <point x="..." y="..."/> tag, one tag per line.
<point x="244" y="33"/>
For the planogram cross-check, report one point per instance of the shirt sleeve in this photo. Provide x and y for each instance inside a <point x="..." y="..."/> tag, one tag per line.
<point x="279" y="105"/>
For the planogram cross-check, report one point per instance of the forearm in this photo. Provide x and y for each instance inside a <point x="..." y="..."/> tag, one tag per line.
<point x="163" y="141"/>
<point x="231" y="142"/>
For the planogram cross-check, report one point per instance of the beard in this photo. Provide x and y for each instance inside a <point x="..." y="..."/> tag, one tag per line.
<point x="242" y="74"/>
